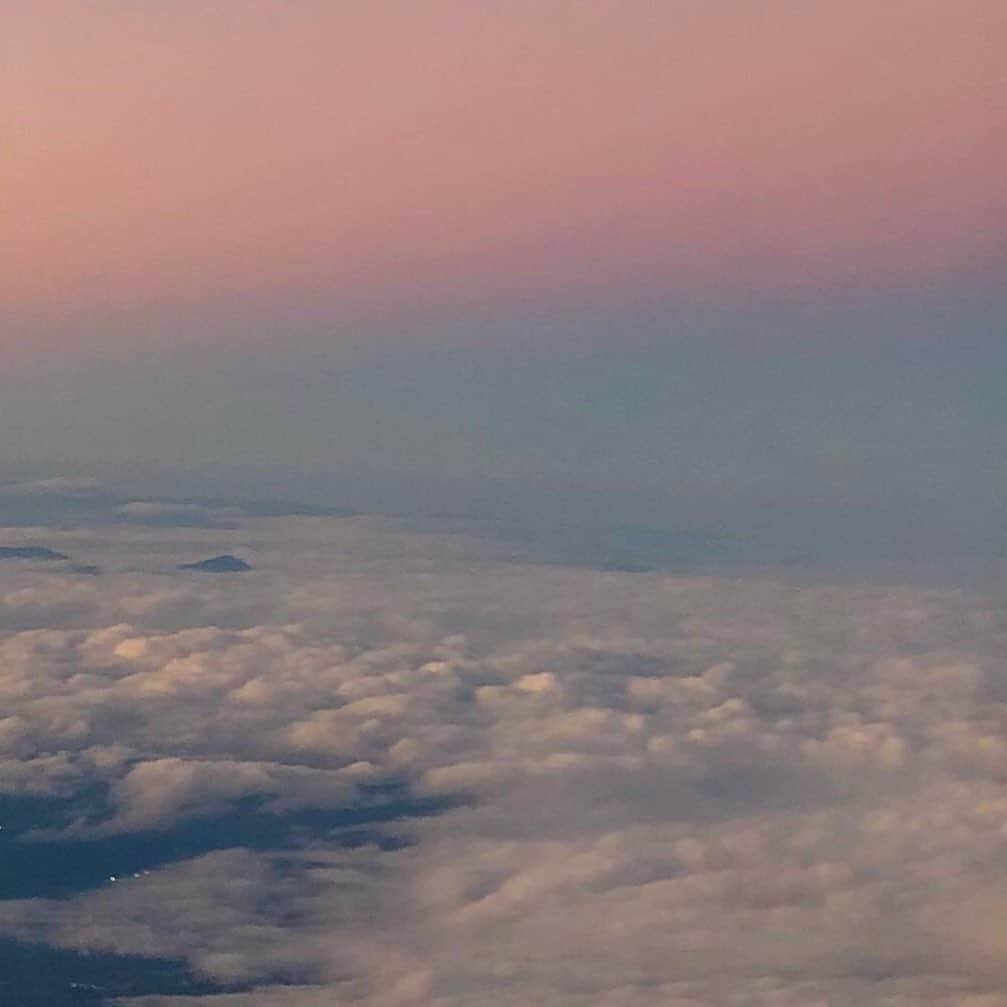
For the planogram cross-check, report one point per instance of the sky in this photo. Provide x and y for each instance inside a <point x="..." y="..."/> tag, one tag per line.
<point x="708" y="246"/>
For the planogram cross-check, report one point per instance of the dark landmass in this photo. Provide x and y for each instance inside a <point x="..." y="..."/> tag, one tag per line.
<point x="35" y="863"/>
<point x="35" y="975"/>
<point x="218" y="564"/>
<point x="90" y="569"/>
<point x="36" y="552"/>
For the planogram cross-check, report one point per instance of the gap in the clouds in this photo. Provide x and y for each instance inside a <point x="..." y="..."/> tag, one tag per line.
<point x="37" y="975"/>
<point x="39" y="860"/>
<point x="41" y="813"/>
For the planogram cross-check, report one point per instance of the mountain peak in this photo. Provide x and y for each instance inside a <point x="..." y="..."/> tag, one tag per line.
<point x="225" y="563"/>
<point x="30" y="552"/>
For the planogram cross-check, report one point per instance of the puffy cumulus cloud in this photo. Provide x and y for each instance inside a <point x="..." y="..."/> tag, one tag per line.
<point x="681" y="790"/>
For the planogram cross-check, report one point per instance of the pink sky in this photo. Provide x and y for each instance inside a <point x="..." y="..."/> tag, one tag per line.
<point x="161" y="155"/>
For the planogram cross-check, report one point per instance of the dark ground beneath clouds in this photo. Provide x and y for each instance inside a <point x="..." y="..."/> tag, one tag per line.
<point x="33" y="975"/>
<point x="388" y="768"/>
<point x="41" y="861"/>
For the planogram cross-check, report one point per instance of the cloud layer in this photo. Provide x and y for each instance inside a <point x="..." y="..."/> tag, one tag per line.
<point x="696" y="791"/>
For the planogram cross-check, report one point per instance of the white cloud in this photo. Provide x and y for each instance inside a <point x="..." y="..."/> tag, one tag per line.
<point x="686" y="791"/>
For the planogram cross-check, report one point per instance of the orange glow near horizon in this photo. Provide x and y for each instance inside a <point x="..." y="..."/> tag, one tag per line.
<point x="232" y="149"/>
